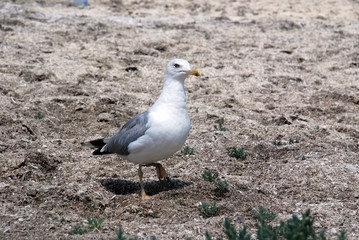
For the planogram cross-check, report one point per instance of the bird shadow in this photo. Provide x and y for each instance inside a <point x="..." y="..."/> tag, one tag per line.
<point x="124" y="187"/>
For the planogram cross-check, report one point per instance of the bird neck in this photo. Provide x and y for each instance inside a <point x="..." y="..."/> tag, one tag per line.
<point x="173" y="92"/>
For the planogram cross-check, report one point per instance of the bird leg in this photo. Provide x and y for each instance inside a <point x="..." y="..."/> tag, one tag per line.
<point x="140" y="175"/>
<point x="161" y="172"/>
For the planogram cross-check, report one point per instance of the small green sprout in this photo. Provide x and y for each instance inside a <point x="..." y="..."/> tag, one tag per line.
<point x="220" y="127"/>
<point x="207" y="210"/>
<point x="277" y="142"/>
<point x="39" y="116"/>
<point x="293" y="140"/>
<point x="222" y="186"/>
<point x="92" y="224"/>
<point x="121" y="236"/>
<point x="187" y="150"/>
<point x="237" y="152"/>
<point x="209" y="176"/>
<point x="77" y="230"/>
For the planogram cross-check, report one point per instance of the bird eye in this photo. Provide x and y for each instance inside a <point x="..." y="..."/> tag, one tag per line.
<point x="176" y="65"/>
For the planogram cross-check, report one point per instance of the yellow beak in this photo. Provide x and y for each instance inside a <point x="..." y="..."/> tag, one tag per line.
<point x="193" y="72"/>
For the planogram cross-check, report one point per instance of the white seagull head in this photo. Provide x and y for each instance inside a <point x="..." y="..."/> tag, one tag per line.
<point x="180" y="69"/>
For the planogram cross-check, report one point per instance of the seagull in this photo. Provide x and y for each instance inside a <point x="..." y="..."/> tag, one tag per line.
<point x="159" y="132"/>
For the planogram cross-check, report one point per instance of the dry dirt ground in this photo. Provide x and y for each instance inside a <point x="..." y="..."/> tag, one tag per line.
<point x="282" y="76"/>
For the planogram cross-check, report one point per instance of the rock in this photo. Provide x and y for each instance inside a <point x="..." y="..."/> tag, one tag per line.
<point x="104" y="117"/>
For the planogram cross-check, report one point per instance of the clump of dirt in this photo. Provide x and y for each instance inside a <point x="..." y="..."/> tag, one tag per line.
<point x="36" y="166"/>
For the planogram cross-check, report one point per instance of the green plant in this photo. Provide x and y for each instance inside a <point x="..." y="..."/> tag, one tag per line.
<point x="293" y="140"/>
<point x="303" y="157"/>
<point x="237" y="152"/>
<point x="207" y="209"/>
<point x="121" y="236"/>
<point x="92" y="224"/>
<point x="220" y="127"/>
<point x="77" y="230"/>
<point x="232" y="233"/>
<point x="263" y="229"/>
<point x="209" y="176"/>
<point x="263" y="215"/>
<point x="342" y="236"/>
<point x="222" y="186"/>
<point x="187" y="150"/>
<point x="277" y="142"/>
<point x="39" y="116"/>
<point x="295" y="227"/>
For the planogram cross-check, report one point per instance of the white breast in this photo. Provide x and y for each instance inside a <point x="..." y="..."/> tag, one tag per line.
<point x="169" y="129"/>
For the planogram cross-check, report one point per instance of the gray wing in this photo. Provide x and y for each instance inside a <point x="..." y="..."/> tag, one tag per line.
<point x="130" y="132"/>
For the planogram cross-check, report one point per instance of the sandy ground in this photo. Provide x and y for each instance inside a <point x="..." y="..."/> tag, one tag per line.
<point x="272" y="72"/>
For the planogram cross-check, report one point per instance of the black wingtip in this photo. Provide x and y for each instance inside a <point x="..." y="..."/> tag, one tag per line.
<point x="98" y="143"/>
<point x="98" y="152"/>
